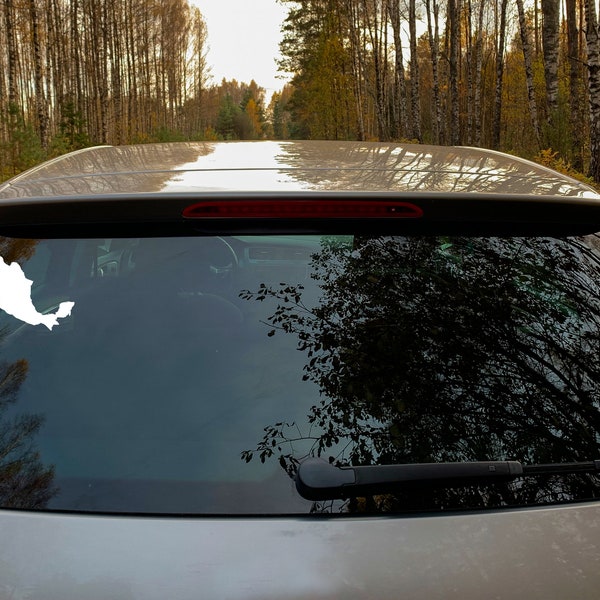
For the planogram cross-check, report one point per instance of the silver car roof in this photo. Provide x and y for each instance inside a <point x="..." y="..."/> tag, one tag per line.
<point x="290" y="166"/>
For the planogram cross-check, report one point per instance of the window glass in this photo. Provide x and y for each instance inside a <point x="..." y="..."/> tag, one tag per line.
<point x="191" y="375"/>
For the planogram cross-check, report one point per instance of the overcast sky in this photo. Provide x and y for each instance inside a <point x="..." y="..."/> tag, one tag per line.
<point x="243" y="39"/>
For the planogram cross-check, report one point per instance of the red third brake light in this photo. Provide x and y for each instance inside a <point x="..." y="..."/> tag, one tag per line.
<point x="302" y="209"/>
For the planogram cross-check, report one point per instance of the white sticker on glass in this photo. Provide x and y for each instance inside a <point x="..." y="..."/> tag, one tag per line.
<point x="15" y="298"/>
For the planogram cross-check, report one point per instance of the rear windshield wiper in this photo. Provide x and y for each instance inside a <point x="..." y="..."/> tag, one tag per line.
<point x="317" y="479"/>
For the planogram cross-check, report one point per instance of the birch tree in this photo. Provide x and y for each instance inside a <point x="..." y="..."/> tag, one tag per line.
<point x="499" y="75"/>
<point x="550" y="46"/>
<point x="576" y="91"/>
<point x="527" y="59"/>
<point x="454" y="16"/>
<point x="432" y="10"/>
<point x="400" y="111"/>
<point x="415" y="100"/>
<point x="593" y="65"/>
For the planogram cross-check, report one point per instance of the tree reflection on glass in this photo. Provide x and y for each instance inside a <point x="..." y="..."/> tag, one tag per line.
<point x="24" y="481"/>
<point x="447" y="349"/>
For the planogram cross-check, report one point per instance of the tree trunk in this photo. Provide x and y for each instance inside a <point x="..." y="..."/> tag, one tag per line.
<point x="77" y="84"/>
<point x="533" y="114"/>
<point x="469" y="68"/>
<point x="593" y="52"/>
<point x="434" y="46"/>
<point x="115" y="60"/>
<point x="454" y="10"/>
<point x="575" y="91"/>
<point x="415" y="107"/>
<point x="400" y="108"/>
<point x="496" y="126"/>
<point x="11" y="51"/>
<point x="550" y="46"/>
<point x="376" y="26"/>
<point x="40" y="96"/>
<point x="478" y="74"/>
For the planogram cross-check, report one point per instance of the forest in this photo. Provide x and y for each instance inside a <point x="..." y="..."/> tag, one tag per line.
<point x="75" y="73"/>
<point x="502" y="74"/>
<point x="522" y="77"/>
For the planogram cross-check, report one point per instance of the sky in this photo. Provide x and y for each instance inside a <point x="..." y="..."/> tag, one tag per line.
<point x="243" y="40"/>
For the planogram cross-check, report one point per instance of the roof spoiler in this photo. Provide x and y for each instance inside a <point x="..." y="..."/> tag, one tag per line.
<point x="300" y="212"/>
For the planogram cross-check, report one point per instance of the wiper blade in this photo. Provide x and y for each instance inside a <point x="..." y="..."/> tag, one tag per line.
<point x="317" y="479"/>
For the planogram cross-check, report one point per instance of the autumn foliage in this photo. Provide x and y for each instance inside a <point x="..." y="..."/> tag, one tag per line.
<point x="505" y="74"/>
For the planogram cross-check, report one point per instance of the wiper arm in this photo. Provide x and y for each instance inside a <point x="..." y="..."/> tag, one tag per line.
<point x="317" y="479"/>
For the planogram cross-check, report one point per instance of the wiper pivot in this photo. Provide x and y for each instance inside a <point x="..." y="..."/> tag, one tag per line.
<point x="317" y="479"/>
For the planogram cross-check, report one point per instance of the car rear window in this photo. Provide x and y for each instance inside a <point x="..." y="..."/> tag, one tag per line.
<point x="191" y="375"/>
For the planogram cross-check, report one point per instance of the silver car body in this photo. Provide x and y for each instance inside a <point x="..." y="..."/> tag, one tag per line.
<point x="243" y="167"/>
<point x="539" y="552"/>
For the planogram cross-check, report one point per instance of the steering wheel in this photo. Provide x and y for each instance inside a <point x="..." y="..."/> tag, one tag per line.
<point x="188" y="264"/>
